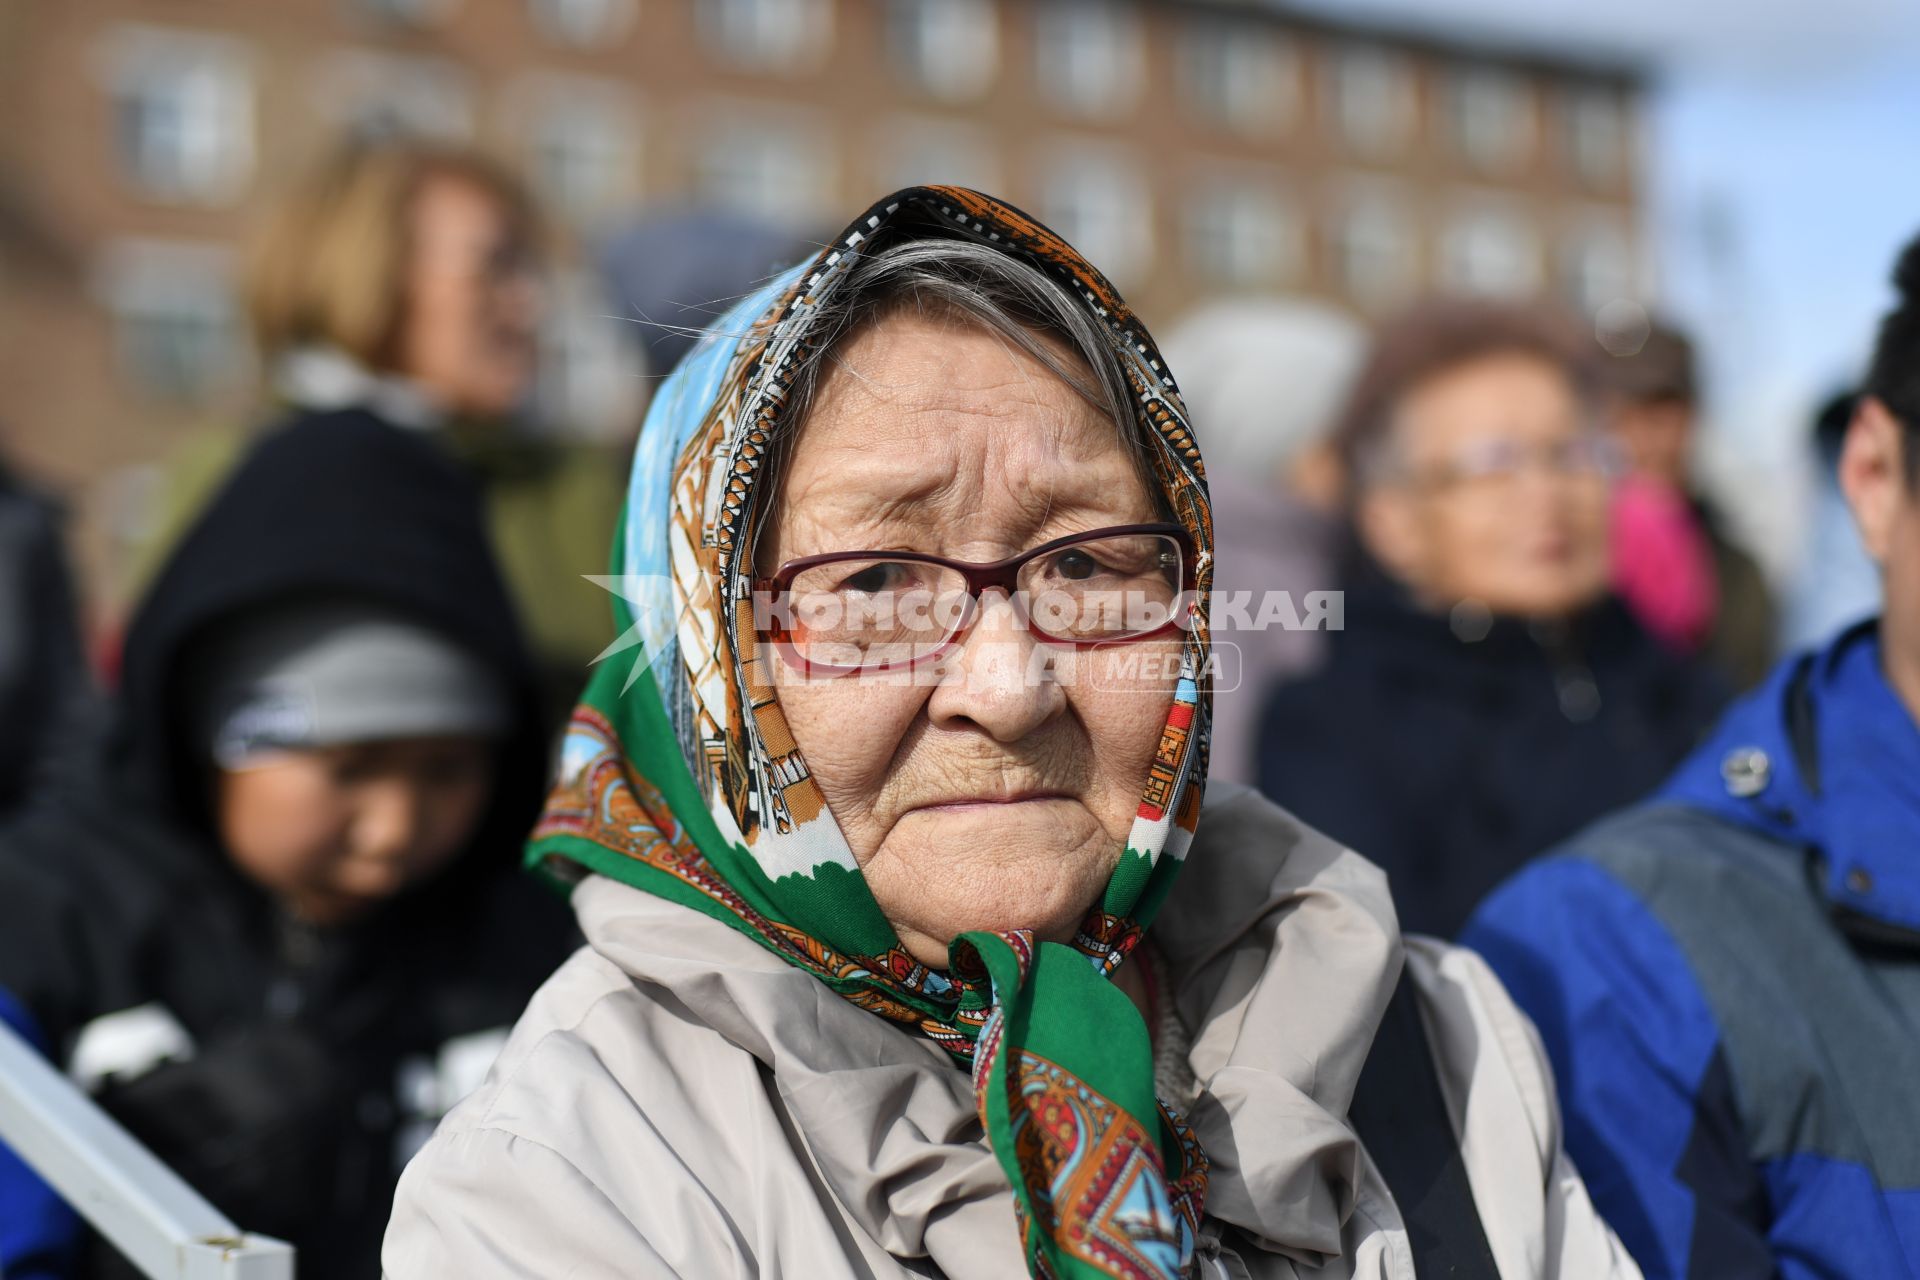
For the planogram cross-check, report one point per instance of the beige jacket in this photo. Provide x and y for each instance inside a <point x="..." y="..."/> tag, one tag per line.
<point x="677" y="1101"/>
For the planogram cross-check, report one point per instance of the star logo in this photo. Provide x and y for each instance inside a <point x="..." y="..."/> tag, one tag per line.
<point x="652" y="603"/>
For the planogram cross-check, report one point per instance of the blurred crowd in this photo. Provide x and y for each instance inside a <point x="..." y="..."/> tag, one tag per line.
<point x="254" y="861"/>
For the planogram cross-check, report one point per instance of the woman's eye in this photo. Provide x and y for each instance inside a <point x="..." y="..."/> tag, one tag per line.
<point x="872" y="579"/>
<point x="1075" y="566"/>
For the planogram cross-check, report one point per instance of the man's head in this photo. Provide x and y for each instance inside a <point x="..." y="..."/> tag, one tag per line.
<point x="1880" y="474"/>
<point x="1654" y="402"/>
<point x="1480" y="473"/>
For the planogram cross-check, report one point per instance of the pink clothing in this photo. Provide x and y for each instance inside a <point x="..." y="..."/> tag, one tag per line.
<point x="1663" y="563"/>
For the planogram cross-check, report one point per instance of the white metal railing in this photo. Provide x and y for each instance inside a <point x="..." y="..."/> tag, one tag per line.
<point x="162" y="1225"/>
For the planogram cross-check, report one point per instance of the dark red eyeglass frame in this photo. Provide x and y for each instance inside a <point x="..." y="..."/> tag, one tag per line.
<point x="1004" y="574"/>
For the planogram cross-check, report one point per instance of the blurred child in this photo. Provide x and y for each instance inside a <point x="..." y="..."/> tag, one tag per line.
<point x="274" y="923"/>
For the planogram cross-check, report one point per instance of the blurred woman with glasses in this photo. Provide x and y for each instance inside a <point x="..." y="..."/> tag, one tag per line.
<point x="1487" y="696"/>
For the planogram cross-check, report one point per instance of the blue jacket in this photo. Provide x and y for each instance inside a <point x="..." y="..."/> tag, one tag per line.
<point x="39" y="1234"/>
<point x="1728" y="980"/>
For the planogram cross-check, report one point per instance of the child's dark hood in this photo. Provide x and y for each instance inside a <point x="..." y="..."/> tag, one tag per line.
<point x="328" y="504"/>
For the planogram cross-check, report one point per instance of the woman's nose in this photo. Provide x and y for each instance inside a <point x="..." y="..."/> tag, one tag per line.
<point x="1001" y="678"/>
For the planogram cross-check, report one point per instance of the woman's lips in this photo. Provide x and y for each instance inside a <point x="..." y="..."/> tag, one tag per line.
<point x="968" y="804"/>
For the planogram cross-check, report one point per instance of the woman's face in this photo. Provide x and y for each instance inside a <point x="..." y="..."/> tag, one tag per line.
<point x="472" y="301"/>
<point x="1502" y="494"/>
<point x="997" y="790"/>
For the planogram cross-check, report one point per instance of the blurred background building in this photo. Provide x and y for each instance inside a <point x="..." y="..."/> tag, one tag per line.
<point x="1197" y="149"/>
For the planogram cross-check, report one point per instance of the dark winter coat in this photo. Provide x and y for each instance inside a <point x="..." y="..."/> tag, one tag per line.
<point x="1451" y="749"/>
<point x="42" y="673"/>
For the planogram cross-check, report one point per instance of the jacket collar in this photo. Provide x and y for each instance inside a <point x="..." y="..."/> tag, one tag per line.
<point x="322" y="379"/>
<point x="1826" y="757"/>
<point x="1385" y="624"/>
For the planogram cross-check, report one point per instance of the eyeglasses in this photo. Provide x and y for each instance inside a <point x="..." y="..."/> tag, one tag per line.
<point x="1496" y="463"/>
<point x="870" y="611"/>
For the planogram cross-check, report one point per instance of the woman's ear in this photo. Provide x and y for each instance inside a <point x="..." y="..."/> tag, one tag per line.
<point x="1873" y="474"/>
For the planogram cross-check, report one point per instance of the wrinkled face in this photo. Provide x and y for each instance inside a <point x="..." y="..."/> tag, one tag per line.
<point x="1499" y="492"/>
<point x="335" y="831"/>
<point x="998" y="791"/>
<point x="472" y="301"/>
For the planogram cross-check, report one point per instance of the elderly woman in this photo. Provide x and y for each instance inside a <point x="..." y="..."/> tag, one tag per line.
<point x="869" y="820"/>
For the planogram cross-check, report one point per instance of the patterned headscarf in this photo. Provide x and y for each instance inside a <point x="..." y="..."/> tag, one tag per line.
<point x="680" y="776"/>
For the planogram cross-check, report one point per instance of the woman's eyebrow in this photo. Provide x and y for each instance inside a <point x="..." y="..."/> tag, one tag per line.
<point x="888" y="500"/>
<point x="863" y="495"/>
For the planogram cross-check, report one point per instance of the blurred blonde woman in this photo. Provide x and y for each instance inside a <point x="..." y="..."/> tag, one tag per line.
<point x="400" y="279"/>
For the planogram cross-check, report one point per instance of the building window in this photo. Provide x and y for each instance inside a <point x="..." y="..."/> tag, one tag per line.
<point x="1370" y="97"/>
<point x="1492" y="114"/>
<point x="1090" y="54"/>
<point x="1243" y="235"/>
<point x="1098" y="202"/>
<point x="767" y="35"/>
<point x="580" y="145"/>
<point x="374" y="94"/>
<point x="182" y="113"/>
<point x="1596" y="264"/>
<point x="777" y="169"/>
<point x="175" y="329"/>
<point x="1238" y="74"/>
<point x="582" y="23"/>
<point x="948" y="48"/>
<point x="592" y="378"/>
<point x="1372" y="239"/>
<point x="1596" y="135"/>
<point x="917" y="152"/>
<point x="1490" y="247"/>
